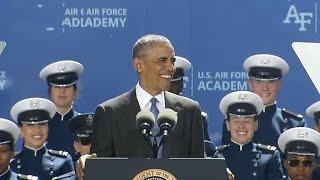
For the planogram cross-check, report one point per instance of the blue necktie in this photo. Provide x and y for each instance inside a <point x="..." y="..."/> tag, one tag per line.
<point x="155" y="130"/>
<point x="155" y="112"/>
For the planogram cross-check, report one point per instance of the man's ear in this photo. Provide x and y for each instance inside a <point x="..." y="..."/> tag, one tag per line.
<point x="279" y="84"/>
<point x="21" y="132"/>
<point x="256" y="124"/>
<point x="227" y="123"/>
<point x="137" y="64"/>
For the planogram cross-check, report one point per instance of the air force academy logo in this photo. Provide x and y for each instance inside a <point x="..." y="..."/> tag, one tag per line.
<point x="302" y="18"/>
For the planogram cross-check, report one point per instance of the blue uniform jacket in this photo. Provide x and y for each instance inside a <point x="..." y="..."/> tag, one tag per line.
<point x="44" y="163"/>
<point x="252" y="161"/>
<point x="272" y="122"/>
<point x="59" y="136"/>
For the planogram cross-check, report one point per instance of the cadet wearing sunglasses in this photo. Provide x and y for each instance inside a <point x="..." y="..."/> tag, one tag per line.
<point x="313" y="111"/>
<point x="301" y="147"/>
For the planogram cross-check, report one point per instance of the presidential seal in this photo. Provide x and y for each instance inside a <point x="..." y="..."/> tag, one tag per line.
<point x="154" y="174"/>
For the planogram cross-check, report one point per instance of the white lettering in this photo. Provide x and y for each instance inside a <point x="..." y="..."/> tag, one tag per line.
<point x="301" y="18"/>
<point x="2" y="83"/>
<point x="222" y="85"/>
<point x="92" y="11"/>
<point x="71" y="11"/>
<point x="94" y="22"/>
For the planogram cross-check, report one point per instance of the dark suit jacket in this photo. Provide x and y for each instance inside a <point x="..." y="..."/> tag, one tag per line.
<point x="116" y="135"/>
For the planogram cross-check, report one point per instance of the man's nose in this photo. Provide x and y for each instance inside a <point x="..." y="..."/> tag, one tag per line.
<point x="62" y="89"/>
<point x="265" y="85"/>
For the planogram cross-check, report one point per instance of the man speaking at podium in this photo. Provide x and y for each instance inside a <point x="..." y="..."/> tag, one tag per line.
<point x="114" y="126"/>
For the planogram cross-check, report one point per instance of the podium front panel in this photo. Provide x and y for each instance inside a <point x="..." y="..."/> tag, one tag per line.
<point x="155" y="169"/>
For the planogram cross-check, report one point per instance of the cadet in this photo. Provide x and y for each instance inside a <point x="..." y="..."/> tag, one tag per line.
<point x="33" y="115"/>
<point x="62" y="77"/>
<point x="9" y="134"/>
<point x="313" y="111"/>
<point x="81" y="129"/>
<point x="246" y="159"/>
<point x="301" y="147"/>
<point x="182" y="67"/>
<point x="265" y="72"/>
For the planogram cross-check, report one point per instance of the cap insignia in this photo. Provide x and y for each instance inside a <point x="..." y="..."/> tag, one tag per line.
<point x="34" y="104"/>
<point x="265" y="62"/>
<point x="302" y="134"/>
<point x="62" y="67"/>
<point x="242" y="97"/>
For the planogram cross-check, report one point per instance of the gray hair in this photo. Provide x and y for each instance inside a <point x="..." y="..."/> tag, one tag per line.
<point x="146" y="42"/>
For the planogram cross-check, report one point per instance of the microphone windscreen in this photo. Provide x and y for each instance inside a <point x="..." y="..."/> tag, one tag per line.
<point x="169" y="116"/>
<point x="145" y="116"/>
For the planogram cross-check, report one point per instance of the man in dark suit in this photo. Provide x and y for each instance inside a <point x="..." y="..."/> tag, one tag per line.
<point x="114" y="126"/>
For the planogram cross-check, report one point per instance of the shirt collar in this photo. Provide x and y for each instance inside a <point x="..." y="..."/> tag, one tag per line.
<point x="242" y="147"/>
<point x="268" y="106"/>
<point x="144" y="98"/>
<point x="67" y="115"/>
<point x="35" y="152"/>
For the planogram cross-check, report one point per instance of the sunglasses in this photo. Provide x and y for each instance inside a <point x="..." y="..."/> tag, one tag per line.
<point x="85" y="140"/>
<point x="306" y="163"/>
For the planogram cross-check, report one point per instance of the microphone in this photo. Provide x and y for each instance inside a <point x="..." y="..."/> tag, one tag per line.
<point x="167" y="120"/>
<point x="145" y="122"/>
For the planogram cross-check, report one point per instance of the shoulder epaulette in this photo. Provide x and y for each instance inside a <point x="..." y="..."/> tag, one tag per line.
<point x="58" y="153"/>
<point x="27" y="177"/>
<point x="266" y="147"/>
<point x="222" y="147"/>
<point x="291" y="115"/>
<point x="204" y="114"/>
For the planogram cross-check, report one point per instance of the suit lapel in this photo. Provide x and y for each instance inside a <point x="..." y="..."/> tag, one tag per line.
<point x="131" y="109"/>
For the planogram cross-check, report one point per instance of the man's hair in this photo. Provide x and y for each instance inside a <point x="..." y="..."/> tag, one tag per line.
<point x="146" y="42"/>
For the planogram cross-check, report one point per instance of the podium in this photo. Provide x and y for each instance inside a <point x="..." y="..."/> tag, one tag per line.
<point x="155" y="169"/>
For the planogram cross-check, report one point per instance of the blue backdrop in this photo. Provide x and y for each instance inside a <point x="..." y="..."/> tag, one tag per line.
<point x="216" y="36"/>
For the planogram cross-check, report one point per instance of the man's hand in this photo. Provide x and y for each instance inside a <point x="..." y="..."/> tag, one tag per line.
<point x="230" y="176"/>
<point x="80" y="164"/>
